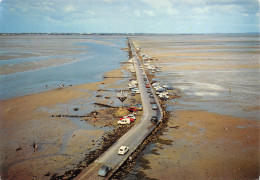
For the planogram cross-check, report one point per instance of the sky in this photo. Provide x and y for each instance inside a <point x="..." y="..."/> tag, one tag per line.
<point x="129" y="16"/>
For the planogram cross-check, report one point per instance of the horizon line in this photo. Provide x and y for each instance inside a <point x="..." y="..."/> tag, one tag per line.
<point x="70" y="33"/>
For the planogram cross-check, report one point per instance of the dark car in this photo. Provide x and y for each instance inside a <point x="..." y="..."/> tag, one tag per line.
<point x="149" y="90"/>
<point x="103" y="171"/>
<point x="132" y="109"/>
<point x="132" y="93"/>
<point x="154" y="119"/>
<point x="151" y="96"/>
<point x="152" y="101"/>
<point x="145" y="79"/>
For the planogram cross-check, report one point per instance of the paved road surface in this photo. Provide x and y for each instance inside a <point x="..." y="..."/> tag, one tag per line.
<point x="133" y="138"/>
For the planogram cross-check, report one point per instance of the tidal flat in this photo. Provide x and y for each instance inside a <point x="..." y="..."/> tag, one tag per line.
<point x="217" y="116"/>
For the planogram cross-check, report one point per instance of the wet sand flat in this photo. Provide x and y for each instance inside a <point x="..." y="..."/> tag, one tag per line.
<point x="62" y="143"/>
<point x="28" y="66"/>
<point x="206" y="146"/>
<point x="214" y="125"/>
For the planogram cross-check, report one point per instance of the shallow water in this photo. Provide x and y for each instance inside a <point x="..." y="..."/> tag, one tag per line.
<point x="89" y="60"/>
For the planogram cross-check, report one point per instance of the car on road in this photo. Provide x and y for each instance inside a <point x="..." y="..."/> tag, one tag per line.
<point x="123" y="150"/>
<point x="149" y="90"/>
<point x="147" y="86"/>
<point x="104" y="170"/>
<point x="154" y="119"/>
<point x="124" y="121"/>
<point x="154" y="107"/>
<point x="145" y="79"/>
<point x="151" y="96"/>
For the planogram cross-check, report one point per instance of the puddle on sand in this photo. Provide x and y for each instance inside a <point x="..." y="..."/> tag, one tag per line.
<point x="81" y="124"/>
<point x="83" y="109"/>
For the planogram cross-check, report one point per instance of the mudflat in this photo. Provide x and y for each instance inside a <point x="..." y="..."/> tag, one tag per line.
<point x="62" y="142"/>
<point x="206" y="145"/>
<point x="213" y="132"/>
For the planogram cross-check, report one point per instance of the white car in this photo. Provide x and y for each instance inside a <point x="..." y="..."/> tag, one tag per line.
<point x="124" y="121"/>
<point x="154" y="107"/>
<point x="131" y="116"/>
<point x="122" y="150"/>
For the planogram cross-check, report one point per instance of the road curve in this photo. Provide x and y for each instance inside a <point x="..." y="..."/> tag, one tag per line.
<point x="133" y="138"/>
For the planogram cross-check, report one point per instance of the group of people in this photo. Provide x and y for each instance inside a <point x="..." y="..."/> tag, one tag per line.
<point x="58" y="87"/>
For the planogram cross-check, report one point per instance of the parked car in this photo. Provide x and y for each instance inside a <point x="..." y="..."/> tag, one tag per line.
<point x="154" y="119"/>
<point x="139" y="107"/>
<point x="153" y="82"/>
<point x="104" y="170"/>
<point x="152" y="101"/>
<point x="145" y="79"/>
<point x="132" y="93"/>
<point x="151" y="96"/>
<point x="132" y="109"/>
<point x="124" y="121"/>
<point x="132" y="116"/>
<point x="125" y="117"/>
<point x="135" y="89"/>
<point x="149" y="90"/>
<point x="147" y="86"/>
<point x="154" y="107"/>
<point x="123" y="150"/>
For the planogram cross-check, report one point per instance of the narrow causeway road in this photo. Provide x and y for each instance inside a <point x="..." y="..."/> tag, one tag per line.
<point x="134" y="137"/>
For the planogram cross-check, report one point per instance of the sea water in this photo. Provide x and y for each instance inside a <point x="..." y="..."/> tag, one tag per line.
<point x="89" y="58"/>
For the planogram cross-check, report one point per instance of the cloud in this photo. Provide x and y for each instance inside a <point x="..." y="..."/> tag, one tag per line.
<point x="123" y="9"/>
<point x="69" y="8"/>
<point x="201" y="10"/>
<point x="245" y="15"/>
<point x="92" y="13"/>
<point x="108" y="1"/>
<point x="149" y="13"/>
<point x="95" y="15"/>
<point x="162" y="6"/>
<point x="137" y="13"/>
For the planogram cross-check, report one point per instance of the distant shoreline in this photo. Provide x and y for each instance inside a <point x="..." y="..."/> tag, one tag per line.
<point x="121" y="34"/>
